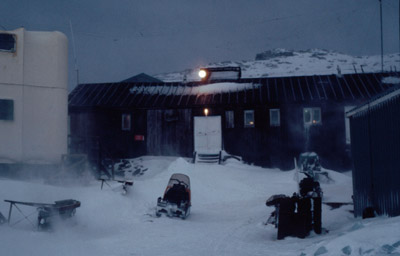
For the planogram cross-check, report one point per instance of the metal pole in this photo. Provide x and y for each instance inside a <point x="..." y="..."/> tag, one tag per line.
<point x="75" y="61"/>
<point x="9" y="213"/>
<point x="380" y="10"/>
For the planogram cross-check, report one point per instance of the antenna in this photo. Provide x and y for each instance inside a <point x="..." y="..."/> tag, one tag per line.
<point x="380" y="10"/>
<point x="73" y="47"/>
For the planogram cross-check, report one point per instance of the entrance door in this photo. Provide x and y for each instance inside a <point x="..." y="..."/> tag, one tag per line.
<point x="207" y="134"/>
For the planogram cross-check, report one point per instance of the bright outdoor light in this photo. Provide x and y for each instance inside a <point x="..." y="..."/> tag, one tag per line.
<point x="202" y="73"/>
<point x="206" y="111"/>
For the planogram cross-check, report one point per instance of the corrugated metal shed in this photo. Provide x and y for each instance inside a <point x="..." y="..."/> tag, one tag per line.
<point x="259" y="91"/>
<point x="375" y="147"/>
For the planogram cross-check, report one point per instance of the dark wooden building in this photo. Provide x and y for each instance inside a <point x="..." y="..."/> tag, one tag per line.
<point x="375" y="134"/>
<point x="266" y="121"/>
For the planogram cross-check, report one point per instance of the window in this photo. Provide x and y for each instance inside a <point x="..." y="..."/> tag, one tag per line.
<point x="229" y="119"/>
<point x="171" y="115"/>
<point x="249" y="118"/>
<point x="6" y="109"/>
<point x="7" y="42"/>
<point x="126" y="122"/>
<point x="274" y="117"/>
<point x="312" y="116"/>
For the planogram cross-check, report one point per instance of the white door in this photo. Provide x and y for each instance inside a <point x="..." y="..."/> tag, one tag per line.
<point x="207" y="134"/>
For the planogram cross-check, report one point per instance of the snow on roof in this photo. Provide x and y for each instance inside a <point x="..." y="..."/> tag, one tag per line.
<point x="195" y="90"/>
<point x="284" y="63"/>
<point x="391" y="80"/>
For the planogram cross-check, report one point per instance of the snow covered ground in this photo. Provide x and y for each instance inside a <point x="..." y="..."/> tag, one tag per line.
<point x="227" y="216"/>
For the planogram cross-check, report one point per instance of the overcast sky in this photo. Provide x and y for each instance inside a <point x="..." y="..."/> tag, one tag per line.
<point x="116" y="39"/>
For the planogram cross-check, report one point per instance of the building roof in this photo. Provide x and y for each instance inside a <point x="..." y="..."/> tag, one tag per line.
<point x="389" y="94"/>
<point x="142" y="78"/>
<point x="244" y="92"/>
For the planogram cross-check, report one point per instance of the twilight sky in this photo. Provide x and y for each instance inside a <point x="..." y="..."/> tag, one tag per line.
<point x="116" y="39"/>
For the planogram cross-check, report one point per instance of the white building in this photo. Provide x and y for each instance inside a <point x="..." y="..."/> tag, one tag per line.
<point x="33" y="96"/>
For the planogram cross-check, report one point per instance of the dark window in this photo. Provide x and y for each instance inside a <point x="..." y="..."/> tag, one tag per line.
<point x="171" y="115"/>
<point x="229" y="119"/>
<point x="249" y="118"/>
<point x="6" y="109"/>
<point x="7" y="42"/>
<point x="126" y="122"/>
<point x="274" y="117"/>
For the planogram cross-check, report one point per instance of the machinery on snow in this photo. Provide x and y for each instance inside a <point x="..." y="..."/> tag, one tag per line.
<point x="299" y="214"/>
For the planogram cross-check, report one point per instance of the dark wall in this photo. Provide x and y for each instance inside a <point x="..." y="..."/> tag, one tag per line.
<point x="376" y="153"/>
<point x="170" y="132"/>
<point x="278" y="146"/>
<point x="261" y="144"/>
<point x="99" y="133"/>
<point x="327" y="139"/>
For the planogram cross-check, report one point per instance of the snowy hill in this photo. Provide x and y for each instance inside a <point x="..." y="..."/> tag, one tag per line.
<point x="227" y="217"/>
<point x="282" y="63"/>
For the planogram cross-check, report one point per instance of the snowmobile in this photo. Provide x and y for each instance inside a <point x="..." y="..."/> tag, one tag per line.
<point x="176" y="200"/>
<point x="310" y="165"/>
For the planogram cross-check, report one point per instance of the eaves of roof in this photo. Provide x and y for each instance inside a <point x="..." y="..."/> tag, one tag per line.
<point x="255" y="91"/>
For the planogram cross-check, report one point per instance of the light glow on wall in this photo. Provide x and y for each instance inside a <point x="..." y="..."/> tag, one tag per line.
<point x="206" y="111"/>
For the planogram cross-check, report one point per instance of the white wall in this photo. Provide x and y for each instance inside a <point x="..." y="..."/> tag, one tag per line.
<point x="36" y="78"/>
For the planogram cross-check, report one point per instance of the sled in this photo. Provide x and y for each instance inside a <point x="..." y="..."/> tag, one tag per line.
<point x="176" y="201"/>
<point x="47" y="212"/>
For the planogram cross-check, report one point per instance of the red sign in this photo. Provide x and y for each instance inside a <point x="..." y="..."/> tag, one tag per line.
<point x="139" y="138"/>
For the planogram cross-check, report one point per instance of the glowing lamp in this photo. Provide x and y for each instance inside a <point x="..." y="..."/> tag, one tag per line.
<point x="206" y="111"/>
<point x="202" y="73"/>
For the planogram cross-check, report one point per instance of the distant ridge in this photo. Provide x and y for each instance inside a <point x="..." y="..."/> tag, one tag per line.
<point x="281" y="63"/>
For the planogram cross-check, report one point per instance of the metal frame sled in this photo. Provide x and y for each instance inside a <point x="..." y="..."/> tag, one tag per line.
<point x="126" y="184"/>
<point x="2" y="219"/>
<point x="46" y="212"/>
<point x="107" y="174"/>
<point x="176" y="201"/>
